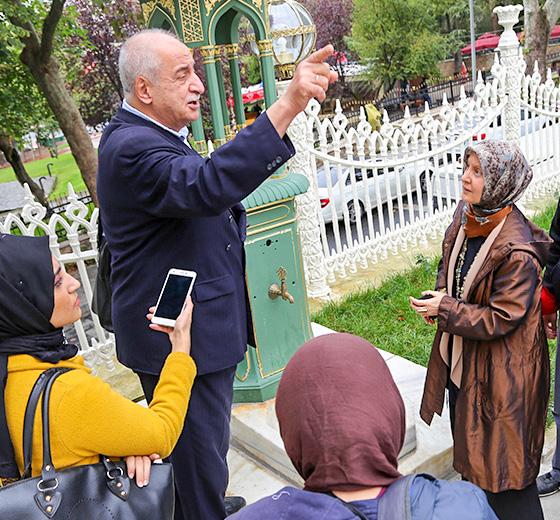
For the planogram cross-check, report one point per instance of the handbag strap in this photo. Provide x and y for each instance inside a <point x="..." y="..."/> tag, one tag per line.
<point x="29" y="418"/>
<point x="48" y="471"/>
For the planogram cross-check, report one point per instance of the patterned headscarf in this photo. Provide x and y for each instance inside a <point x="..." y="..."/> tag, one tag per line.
<point x="506" y="174"/>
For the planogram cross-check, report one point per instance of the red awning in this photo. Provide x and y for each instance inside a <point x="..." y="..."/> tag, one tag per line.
<point x="249" y="96"/>
<point x="484" y="42"/>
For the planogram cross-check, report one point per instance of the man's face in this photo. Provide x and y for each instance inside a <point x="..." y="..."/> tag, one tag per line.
<point x="176" y="93"/>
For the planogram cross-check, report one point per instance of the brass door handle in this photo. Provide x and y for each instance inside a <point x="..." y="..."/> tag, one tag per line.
<point x="274" y="290"/>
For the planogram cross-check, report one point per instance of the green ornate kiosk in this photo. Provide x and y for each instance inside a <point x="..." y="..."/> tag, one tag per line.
<point x="275" y="277"/>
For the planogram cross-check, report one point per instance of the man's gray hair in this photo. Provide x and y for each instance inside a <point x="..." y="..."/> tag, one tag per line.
<point x="138" y="58"/>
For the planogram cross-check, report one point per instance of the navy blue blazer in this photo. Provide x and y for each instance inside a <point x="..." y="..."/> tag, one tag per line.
<point x="162" y="206"/>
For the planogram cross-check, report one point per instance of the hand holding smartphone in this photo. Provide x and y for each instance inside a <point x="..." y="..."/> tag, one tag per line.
<point x="177" y="287"/>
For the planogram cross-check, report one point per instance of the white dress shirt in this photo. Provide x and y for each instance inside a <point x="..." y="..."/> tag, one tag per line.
<point x="181" y="134"/>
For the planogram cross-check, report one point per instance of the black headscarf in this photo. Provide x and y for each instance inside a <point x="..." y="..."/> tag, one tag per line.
<point x="26" y="306"/>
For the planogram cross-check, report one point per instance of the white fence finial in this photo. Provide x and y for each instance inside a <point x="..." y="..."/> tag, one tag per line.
<point x="508" y="16"/>
<point x="28" y="197"/>
<point x="71" y="192"/>
<point x="508" y="46"/>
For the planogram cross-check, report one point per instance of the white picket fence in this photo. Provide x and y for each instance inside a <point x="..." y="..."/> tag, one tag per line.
<point x="77" y="251"/>
<point x="373" y="193"/>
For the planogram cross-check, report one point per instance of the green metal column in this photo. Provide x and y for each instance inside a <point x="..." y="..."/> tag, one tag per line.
<point x="267" y="68"/>
<point x="198" y="134"/>
<point x="232" y="51"/>
<point x="208" y="53"/>
<point x="222" y="91"/>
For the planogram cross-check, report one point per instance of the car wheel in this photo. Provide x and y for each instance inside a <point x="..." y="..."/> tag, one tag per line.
<point x="352" y="214"/>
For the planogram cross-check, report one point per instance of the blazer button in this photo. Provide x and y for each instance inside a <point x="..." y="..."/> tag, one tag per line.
<point x="269" y="166"/>
<point x="230" y="217"/>
<point x="278" y="160"/>
<point x="228" y="247"/>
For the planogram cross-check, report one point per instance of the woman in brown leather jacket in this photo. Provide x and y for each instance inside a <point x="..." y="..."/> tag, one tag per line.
<point x="490" y="349"/>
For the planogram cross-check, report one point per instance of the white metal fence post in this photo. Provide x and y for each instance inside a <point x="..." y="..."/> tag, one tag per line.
<point x="307" y="206"/>
<point x="512" y="60"/>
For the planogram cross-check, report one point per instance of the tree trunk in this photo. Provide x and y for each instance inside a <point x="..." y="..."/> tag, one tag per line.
<point x="14" y="158"/>
<point x="537" y="29"/>
<point x="50" y="81"/>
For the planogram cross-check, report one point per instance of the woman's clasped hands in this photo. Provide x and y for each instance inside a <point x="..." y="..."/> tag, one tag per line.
<point x="428" y="305"/>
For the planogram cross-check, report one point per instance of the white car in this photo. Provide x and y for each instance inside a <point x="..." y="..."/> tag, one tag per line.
<point x="388" y="180"/>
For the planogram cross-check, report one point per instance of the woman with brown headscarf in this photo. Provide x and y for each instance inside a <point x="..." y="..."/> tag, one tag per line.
<point x="490" y="349"/>
<point x="342" y="421"/>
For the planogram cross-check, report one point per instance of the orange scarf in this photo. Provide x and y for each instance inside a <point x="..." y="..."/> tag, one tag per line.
<point x="477" y="226"/>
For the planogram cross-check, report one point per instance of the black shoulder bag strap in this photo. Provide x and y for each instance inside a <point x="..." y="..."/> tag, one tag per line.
<point x="30" y="411"/>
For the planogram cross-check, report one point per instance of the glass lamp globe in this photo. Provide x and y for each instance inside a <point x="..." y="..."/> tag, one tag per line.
<point x="293" y="34"/>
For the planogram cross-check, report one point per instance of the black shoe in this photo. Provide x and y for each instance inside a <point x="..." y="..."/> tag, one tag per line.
<point x="547" y="484"/>
<point x="234" y="504"/>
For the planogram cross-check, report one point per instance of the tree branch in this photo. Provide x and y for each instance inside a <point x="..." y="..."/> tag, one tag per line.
<point x="49" y="28"/>
<point x="26" y="25"/>
<point x="552" y="10"/>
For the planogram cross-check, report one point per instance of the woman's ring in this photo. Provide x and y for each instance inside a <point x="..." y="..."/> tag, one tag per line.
<point x="316" y="78"/>
<point x="422" y="309"/>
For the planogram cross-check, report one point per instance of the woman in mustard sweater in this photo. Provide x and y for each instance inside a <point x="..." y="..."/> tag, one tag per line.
<point x="37" y="299"/>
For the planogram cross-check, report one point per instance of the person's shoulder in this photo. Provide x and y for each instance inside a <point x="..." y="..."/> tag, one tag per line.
<point x="442" y="499"/>
<point x="295" y="504"/>
<point x="125" y="134"/>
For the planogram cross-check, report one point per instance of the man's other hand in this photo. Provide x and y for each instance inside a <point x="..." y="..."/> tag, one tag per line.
<point x="311" y="80"/>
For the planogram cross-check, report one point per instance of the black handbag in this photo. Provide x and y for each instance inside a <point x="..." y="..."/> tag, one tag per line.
<point x="100" y="491"/>
<point x="102" y="291"/>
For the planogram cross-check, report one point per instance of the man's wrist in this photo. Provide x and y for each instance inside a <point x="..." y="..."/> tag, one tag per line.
<point x="281" y="113"/>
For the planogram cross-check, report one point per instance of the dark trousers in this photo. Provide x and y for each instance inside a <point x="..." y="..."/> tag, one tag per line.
<point x="517" y="505"/>
<point x="512" y="504"/>
<point x="199" y="458"/>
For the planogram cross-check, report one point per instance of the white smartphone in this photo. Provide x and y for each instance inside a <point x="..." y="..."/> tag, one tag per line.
<point x="177" y="287"/>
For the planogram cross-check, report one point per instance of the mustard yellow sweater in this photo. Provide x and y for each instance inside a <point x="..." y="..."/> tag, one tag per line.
<point x="88" y="417"/>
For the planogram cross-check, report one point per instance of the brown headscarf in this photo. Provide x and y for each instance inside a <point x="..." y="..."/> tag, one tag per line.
<point x="342" y="418"/>
<point x="506" y="175"/>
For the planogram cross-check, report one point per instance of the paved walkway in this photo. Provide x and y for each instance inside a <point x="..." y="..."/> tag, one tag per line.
<point x="12" y="193"/>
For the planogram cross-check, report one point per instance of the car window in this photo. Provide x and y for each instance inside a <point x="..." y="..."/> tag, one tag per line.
<point x="358" y="176"/>
<point x="322" y="178"/>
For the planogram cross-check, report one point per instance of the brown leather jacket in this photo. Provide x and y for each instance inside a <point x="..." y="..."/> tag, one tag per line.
<point x="501" y="407"/>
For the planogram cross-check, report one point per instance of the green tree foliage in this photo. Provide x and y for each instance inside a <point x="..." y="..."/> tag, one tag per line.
<point x="40" y="28"/>
<point x="22" y="106"/>
<point x="398" y="38"/>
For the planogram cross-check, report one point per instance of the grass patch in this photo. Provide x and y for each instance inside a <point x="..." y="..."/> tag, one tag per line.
<point x="382" y="315"/>
<point x="543" y="218"/>
<point x="64" y="168"/>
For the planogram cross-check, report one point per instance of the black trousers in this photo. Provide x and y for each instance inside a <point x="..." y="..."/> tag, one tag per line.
<point x="199" y="458"/>
<point x="512" y="504"/>
<point x="517" y="505"/>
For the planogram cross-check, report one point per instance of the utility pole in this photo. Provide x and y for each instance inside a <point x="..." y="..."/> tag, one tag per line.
<point x="473" y="49"/>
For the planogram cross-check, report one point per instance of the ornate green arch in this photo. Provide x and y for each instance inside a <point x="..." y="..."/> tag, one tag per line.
<point x="159" y="18"/>
<point x="224" y="21"/>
